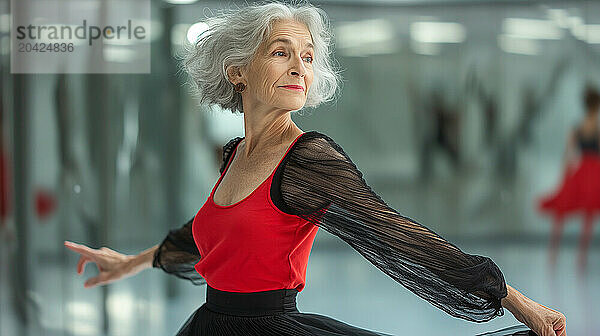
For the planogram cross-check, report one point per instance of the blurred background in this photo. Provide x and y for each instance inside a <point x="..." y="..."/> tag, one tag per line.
<point x="457" y="112"/>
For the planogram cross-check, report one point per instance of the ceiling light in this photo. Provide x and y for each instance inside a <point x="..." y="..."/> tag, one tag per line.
<point x="437" y="32"/>
<point x="360" y="33"/>
<point x="532" y="29"/>
<point x="180" y="2"/>
<point x="365" y="38"/>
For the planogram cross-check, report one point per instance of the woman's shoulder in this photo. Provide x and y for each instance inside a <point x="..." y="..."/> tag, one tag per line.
<point x="232" y="142"/>
<point x="227" y="150"/>
<point x="230" y="146"/>
<point x="315" y="140"/>
<point x="312" y="135"/>
<point x="314" y="144"/>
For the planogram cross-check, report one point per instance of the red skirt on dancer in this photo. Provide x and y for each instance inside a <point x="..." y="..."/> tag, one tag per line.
<point x="579" y="190"/>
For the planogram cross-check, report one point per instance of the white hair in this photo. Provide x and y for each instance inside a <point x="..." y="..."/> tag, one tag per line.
<point x="232" y="39"/>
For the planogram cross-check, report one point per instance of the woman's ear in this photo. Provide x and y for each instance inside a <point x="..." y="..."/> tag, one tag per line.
<point x="234" y="74"/>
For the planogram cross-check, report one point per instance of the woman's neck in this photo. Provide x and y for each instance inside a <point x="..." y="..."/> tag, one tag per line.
<point x="264" y="134"/>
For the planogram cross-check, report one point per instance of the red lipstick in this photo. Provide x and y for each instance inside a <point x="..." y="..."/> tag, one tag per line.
<point x="293" y="87"/>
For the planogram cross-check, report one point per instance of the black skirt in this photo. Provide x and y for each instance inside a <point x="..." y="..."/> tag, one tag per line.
<point x="266" y="313"/>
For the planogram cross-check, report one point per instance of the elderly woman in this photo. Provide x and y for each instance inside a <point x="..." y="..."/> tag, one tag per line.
<point x="250" y="241"/>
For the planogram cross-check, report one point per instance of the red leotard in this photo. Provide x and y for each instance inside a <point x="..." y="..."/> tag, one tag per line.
<point x="251" y="245"/>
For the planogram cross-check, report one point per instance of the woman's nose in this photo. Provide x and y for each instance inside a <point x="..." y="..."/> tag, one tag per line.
<point x="298" y="68"/>
<point x="297" y="73"/>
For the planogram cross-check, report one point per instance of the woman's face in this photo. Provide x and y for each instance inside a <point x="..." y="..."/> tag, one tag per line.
<point x="278" y="63"/>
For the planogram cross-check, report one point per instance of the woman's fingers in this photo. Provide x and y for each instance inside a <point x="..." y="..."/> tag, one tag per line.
<point x="560" y="328"/>
<point x="87" y="255"/>
<point x="555" y="330"/>
<point x="111" y="265"/>
<point x="82" y="249"/>
<point x="81" y="263"/>
<point x="91" y="282"/>
<point x="101" y="279"/>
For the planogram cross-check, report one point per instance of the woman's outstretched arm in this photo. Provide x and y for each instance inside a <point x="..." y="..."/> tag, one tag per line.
<point x="320" y="184"/>
<point x="176" y="254"/>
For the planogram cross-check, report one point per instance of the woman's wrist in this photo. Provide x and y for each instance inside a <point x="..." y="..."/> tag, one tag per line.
<point x="532" y="314"/>
<point x="143" y="260"/>
<point x="515" y="302"/>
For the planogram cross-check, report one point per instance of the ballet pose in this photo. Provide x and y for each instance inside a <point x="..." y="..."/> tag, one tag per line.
<point x="579" y="190"/>
<point x="250" y="241"/>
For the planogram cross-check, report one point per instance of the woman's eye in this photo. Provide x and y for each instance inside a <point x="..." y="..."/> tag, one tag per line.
<point x="281" y="52"/>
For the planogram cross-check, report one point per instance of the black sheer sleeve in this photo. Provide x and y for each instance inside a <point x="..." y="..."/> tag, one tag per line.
<point x="178" y="253"/>
<point x="319" y="183"/>
<point x="227" y="150"/>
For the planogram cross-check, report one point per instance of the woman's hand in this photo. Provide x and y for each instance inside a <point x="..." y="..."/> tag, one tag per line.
<point x="543" y="320"/>
<point x="539" y="318"/>
<point x="111" y="264"/>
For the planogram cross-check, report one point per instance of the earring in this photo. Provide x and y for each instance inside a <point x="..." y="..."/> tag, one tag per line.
<point x="239" y="87"/>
